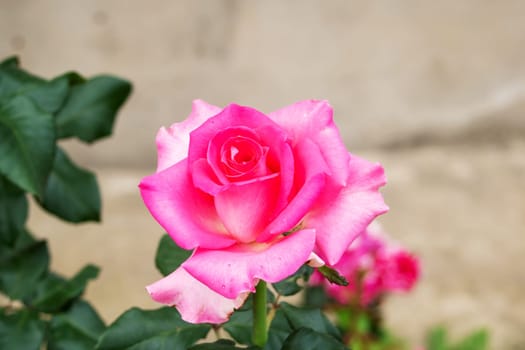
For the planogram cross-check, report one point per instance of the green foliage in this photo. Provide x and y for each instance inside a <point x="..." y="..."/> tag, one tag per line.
<point x="21" y="330"/>
<point x="34" y="114"/>
<point x="152" y="329"/>
<point x="221" y="344"/>
<point x="308" y="339"/>
<point x="169" y="255"/>
<point x="71" y="192"/>
<point x="28" y="143"/>
<point x="22" y="268"/>
<point x="437" y="339"/>
<point x="76" y="329"/>
<point x="289" y="286"/>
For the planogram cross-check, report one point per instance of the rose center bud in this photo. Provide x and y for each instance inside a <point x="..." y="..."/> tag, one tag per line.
<point x="241" y="156"/>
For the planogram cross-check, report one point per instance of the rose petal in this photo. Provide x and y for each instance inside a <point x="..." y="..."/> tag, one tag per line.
<point x="173" y="142"/>
<point x="230" y="117"/>
<point x="314" y="120"/>
<point x="310" y="179"/>
<point x="341" y="217"/>
<point x="195" y="302"/>
<point x="246" y="208"/>
<point x="187" y="214"/>
<point x="237" y="269"/>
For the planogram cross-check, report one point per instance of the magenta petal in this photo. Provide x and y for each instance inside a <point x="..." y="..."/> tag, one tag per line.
<point x="236" y="269"/>
<point x="246" y="208"/>
<point x="173" y="142"/>
<point x="230" y="117"/>
<point x="187" y="214"/>
<point x="341" y="217"/>
<point x="310" y="178"/>
<point x="313" y="119"/>
<point x="195" y="302"/>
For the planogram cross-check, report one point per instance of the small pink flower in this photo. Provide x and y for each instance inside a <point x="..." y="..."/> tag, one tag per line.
<point x="255" y="196"/>
<point x="373" y="267"/>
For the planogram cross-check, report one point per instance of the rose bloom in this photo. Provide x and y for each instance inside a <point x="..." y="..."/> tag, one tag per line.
<point x="374" y="266"/>
<point x="254" y="196"/>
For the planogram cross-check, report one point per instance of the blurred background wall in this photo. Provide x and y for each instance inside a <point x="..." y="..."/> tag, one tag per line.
<point x="435" y="90"/>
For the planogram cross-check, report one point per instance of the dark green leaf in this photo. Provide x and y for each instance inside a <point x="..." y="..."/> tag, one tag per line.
<point x="332" y="275"/>
<point x="310" y="318"/>
<point x="21" y="269"/>
<point x="239" y="326"/>
<point x="27" y="144"/>
<point x="221" y="344"/>
<point x="289" y="286"/>
<point x="22" y="330"/>
<point x="76" y="329"/>
<point x="280" y="329"/>
<point x="54" y="293"/>
<point x="308" y="339"/>
<point x="10" y="62"/>
<point x="48" y="95"/>
<point x="169" y="255"/>
<point x="91" y="108"/>
<point x="13" y="211"/>
<point x="151" y="329"/>
<point x="14" y="79"/>
<point x="71" y="192"/>
<point x="315" y="297"/>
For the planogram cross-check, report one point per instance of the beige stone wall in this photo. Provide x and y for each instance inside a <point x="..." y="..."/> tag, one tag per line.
<point x="396" y="71"/>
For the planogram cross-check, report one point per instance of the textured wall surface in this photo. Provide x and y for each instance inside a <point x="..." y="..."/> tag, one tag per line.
<point x="396" y="72"/>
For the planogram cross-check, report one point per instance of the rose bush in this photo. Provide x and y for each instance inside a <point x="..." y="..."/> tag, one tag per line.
<point x="374" y="266"/>
<point x="255" y="196"/>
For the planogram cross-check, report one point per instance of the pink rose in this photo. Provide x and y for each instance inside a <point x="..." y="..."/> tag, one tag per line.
<point x="255" y="196"/>
<point x="373" y="266"/>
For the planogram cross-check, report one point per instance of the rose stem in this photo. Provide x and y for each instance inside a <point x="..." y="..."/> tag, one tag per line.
<point x="260" y="331"/>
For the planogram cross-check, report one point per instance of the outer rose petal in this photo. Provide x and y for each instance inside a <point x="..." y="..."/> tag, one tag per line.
<point x="313" y="120"/>
<point x="187" y="214"/>
<point x="341" y="217"/>
<point x="196" y="302"/>
<point x="173" y="142"/>
<point x="237" y="269"/>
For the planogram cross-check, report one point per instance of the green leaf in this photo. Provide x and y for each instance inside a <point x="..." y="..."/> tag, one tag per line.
<point x="27" y="144"/>
<point x="21" y="330"/>
<point x="169" y="255"/>
<point x="289" y="286"/>
<point x="151" y="329"/>
<point x="239" y="326"/>
<point x="332" y="275"/>
<point x="54" y="292"/>
<point x="315" y="297"/>
<point x="476" y="341"/>
<point x="13" y="211"/>
<point x="48" y="95"/>
<point x="13" y="79"/>
<point x="90" y="109"/>
<point x="10" y="62"/>
<point x="437" y="339"/>
<point x="221" y="344"/>
<point x="21" y="268"/>
<point x="280" y="329"/>
<point x="308" y="339"/>
<point x="71" y="193"/>
<point x="310" y="318"/>
<point x="76" y="329"/>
